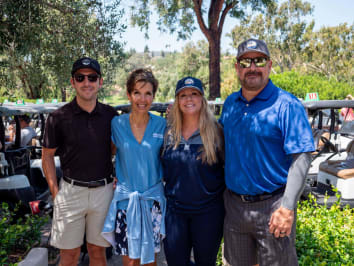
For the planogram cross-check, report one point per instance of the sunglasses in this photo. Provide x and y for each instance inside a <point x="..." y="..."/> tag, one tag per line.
<point x="90" y="77"/>
<point x="258" y="62"/>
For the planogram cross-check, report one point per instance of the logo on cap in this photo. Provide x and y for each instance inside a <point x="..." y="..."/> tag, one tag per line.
<point x="188" y="81"/>
<point x="86" y="62"/>
<point x="251" y="45"/>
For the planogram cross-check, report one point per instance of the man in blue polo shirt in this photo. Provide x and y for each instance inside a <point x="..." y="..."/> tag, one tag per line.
<point x="268" y="141"/>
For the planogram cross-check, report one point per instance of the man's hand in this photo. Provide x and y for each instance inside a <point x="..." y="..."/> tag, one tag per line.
<point x="48" y="165"/>
<point x="115" y="180"/>
<point x="281" y="222"/>
<point x="54" y="192"/>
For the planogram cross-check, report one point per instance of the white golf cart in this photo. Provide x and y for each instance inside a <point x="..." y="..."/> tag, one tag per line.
<point x="333" y="161"/>
<point x="21" y="174"/>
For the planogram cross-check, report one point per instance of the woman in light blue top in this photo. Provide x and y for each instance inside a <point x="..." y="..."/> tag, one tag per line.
<point x="135" y="221"/>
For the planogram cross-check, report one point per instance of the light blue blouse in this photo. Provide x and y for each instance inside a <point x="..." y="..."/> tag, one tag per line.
<point x="139" y="174"/>
<point x="138" y="165"/>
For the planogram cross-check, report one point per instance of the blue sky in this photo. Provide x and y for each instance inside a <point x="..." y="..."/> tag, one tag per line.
<point x="326" y="13"/>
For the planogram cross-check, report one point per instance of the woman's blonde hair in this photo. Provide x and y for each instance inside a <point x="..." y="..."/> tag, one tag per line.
<point x="210" y="131"/>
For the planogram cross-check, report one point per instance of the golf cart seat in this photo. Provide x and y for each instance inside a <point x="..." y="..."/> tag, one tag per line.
<point x="338" y="173"/>
<point x="342" y="169"/>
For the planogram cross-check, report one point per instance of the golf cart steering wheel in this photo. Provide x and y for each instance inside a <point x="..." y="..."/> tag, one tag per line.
<point x="329" y="144"/>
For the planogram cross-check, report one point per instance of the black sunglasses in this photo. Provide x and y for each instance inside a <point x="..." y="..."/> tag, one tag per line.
<point x="90" y="77"/>
<point x="258" y="62"/>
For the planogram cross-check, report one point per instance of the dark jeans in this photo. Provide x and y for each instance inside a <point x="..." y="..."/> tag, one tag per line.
<point x="202" y="232"/>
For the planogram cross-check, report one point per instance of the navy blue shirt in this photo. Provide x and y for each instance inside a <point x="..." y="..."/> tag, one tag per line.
<point x="191" y="186"/>
<point x="260" y="137"/>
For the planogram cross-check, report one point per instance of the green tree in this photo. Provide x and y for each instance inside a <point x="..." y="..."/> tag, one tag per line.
<point x="330" y="52"/>
<point x="283" y="27"/>
<point x="193" y="61"/>
<point x="180" y="17"/>
<point x="41" y="39"/>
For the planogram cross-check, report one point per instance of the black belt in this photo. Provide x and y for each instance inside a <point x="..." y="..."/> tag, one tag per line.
<point x="91" y="184"/>
<point x="264" y="196"/>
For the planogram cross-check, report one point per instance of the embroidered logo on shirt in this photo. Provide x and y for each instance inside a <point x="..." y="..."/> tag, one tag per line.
<point x="157" y="135"/>
<point x="186" y="147"/>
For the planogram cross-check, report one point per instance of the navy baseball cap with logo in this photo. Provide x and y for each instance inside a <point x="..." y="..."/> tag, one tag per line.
<point x="252" y="45"/>
<point x="86" y="62"/>
<point x="189" y="82"/>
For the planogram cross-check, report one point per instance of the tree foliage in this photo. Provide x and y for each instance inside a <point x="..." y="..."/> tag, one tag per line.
<point x="300" y="84"/>
<point x="181" y="17"/>
<point x="282" y="27"/>
<point x="168" y="68"/>
<point x="330" y="52"/>
<point x="41" y="39"/>
<point x="294" y="44"/>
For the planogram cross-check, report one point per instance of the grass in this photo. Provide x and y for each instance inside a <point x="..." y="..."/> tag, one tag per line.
<point x="116" y="100"/>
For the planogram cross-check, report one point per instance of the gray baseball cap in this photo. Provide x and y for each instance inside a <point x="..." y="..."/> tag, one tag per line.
<point x="252" y="45"/>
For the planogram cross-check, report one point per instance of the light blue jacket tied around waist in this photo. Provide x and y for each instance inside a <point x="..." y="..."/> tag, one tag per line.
<point x="139" y="222"/>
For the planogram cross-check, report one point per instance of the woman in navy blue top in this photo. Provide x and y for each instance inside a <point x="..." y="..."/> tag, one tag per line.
<point x="192" y="161"/>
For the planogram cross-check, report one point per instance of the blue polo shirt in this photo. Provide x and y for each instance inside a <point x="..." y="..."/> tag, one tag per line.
<point x="138" y="166"/>
<point x="260" y="137"/>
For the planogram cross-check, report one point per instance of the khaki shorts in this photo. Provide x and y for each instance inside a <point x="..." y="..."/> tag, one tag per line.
<point x="76" y="209"/>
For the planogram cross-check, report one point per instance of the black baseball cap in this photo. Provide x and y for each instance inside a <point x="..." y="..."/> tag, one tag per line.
<point x="189" y="82"/>
<point x="252" y="45"/>
<point x="86" y="62"/>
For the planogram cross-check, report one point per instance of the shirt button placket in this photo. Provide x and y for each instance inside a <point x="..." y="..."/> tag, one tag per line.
<point x="245" y="113"/>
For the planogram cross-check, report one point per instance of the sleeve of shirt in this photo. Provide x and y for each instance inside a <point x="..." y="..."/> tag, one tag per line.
<point x="51" y="137"/>
<point x="114" y="112"/>
<point x="114" y="129"/>
<point x="26" y="136"/>
<point x="296" y="130"/>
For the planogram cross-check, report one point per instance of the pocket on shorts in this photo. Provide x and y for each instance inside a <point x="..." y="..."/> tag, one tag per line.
<point x="59" y="190"/>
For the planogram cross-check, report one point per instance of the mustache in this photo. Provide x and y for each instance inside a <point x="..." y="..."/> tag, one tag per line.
<point x="253" y="73"/>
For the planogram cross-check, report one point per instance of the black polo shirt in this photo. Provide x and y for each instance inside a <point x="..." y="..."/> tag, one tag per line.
<point x="82" y="139"/>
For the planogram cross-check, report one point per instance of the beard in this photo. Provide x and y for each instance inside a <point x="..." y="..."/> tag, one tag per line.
<point x="253" y="81"/>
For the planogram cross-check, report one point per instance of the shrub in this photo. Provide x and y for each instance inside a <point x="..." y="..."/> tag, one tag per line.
<point x="324" y="236"/>
<point x="18" y="235"/>
<point x="299" y="84"/>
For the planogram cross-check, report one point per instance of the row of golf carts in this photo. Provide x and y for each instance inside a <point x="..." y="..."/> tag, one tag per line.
<point x="22" y="178"/>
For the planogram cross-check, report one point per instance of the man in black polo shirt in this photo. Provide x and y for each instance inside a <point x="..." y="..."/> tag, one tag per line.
<point x="80" y="133"/>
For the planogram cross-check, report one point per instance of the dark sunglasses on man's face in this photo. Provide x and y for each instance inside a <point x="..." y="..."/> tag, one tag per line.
<point x="90" y="77"/>
<point x="258" y="62"/>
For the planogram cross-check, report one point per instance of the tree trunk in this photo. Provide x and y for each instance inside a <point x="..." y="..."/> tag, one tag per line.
<point x="214" y="67"/>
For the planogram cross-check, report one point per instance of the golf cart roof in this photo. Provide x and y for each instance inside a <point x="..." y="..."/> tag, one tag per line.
<point x="161" y="107"/>
<point x="328" y="104"/>
<point x="28" y="108"/>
